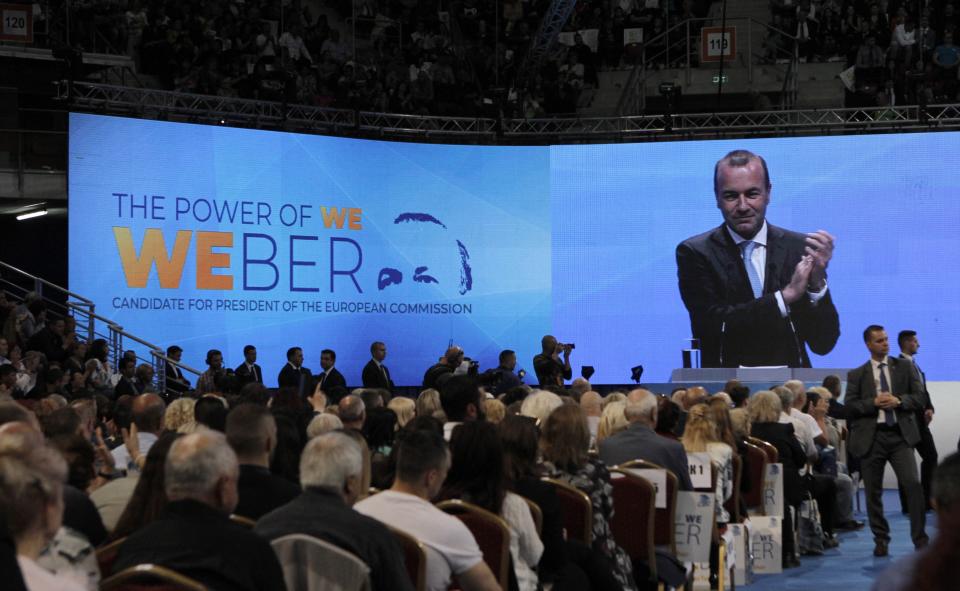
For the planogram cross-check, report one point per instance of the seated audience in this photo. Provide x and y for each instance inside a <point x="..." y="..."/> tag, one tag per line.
<point x="129" y="503"/>
<point x="539" y="405"/>
<point x="428" y="404"/>
<point x="640" y="442"/>
<point x="476" y="476"/>
<point x="422" y="465"/>
<point x="210" y="411"/>
<point x="31" y="504"/>
<point x="352" y="412"/>
<point x="148" y="411"/>
<point x="179" y="416"/>
<point x="194" y="535"/>
<point x="494" y="410"/>
<point x="462" y="402"/>
<point x="592" y="405"/>
<point x="331" y="470"/>
<point x="252" y="433"/>
<point x="612" y="420"/>
<point x="668" y="415"/>
<point x="565" y="443"/>
<point x="323" y="423"/>
<point x="765" y="414"/>
<point x="405" y="408"/>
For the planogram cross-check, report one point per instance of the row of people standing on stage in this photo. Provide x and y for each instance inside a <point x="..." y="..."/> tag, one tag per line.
<point x="293" y="374"/>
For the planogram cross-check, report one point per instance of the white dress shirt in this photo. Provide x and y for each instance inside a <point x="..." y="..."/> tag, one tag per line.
<point x="759" y="260"/>
<point x="875" y="365"/>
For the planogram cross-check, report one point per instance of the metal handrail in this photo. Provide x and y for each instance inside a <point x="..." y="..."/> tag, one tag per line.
<point x="40" y="280"/>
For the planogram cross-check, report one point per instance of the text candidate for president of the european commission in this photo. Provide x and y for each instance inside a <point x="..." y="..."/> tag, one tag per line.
<point x="757" y="294"/>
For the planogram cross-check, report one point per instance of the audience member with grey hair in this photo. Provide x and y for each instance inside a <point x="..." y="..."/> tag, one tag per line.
<point x="579" y="387"/>
<point x="353" y="412"/>
<point x="252" y="433"/>
<point x="323" y="423"/>
<point x="639" y="441"/>
<point x="331" y="470"/>
<point x="592" y="405"/>
<point x="194" y="536"/>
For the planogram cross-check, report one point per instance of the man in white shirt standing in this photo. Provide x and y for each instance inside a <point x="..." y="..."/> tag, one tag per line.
<point x="883" y="398"/>
<point x="422" y="464"/>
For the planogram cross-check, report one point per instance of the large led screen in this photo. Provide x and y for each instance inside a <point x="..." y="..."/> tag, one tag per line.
<point x="213" y="238"/>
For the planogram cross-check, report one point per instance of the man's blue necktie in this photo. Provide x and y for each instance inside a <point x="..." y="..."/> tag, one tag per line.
<point x="747" y="247"/>
<point x="885" y="387"/>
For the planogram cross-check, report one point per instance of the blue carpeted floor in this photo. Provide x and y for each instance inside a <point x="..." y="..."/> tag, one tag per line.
<point x="852" y="566"/>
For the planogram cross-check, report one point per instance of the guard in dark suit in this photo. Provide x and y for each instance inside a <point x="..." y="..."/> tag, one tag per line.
<point x="331" y="381"/>
<point x="174" y="383"/>
<point x="375" y="373"/>
<point x="249" y="372"/>
<point x="294" y="375"/>
<point x="757" y="294"/>
<point x="909" y="345"/>
<point x="883" y="398"/>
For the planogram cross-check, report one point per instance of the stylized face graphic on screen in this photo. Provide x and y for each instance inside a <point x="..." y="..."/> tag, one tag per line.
<point x="424" y="271"/>
<point x="743" y="194"/>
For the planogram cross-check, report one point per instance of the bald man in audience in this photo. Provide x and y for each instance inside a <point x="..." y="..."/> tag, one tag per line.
<point x="579" y="387"/>
<point x="194" y="535"/>
<point x="352" y="412"/>
<point x="592" y="405"/>
<point x="639" y="441"/>
<point x="148" y="412"/>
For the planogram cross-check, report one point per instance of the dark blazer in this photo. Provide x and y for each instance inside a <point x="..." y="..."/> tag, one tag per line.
<point x="175" y="382"/>
<point x="640" y="442"/>
<point x="374" y="378"/>
<point x="331" y="379"/>
<point x="202" y="543"/>
<point x="125" y="387"/>
<point x="791" y="455"/>
<point x="260" y="492"/>
<point x="927" y="403"/>
<point x="290" y="378"/>
<point x="245" y="376"/>
<point x="554" y="556"/>
<point x="321" y="513"/>
<point x="737" y="329"/>
<point x="861" y="390"/>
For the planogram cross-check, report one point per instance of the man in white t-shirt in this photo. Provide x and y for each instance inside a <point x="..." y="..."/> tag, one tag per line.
<point x="796" y="412"/>
<point x="422" y="464"/>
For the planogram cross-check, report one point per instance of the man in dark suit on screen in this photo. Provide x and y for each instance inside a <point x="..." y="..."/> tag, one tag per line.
<point x="883" y="398"/>
<point x="757" y="294"/>
<point x="249" y="372"/>
<point x="375" y="373"/>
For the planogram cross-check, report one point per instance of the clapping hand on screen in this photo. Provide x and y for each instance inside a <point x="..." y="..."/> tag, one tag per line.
<point x="820" y="249"/>
<point x="798" y="282"/>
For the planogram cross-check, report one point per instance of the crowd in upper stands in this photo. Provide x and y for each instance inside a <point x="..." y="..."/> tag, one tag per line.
<point x="221" y="481"/>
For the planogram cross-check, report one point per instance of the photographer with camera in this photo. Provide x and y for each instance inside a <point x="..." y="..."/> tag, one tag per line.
<point x="550" y="370"/>
<point x="442" y="371"/>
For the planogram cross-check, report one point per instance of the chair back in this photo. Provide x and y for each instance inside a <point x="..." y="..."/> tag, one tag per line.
<point x="755" y="472"/>
<point x="311" y="564"/>
<point x="107" y="556"/>
<point x="536" y="513"/>
<point x="491" y="533"/>
<point x="414" y="558"/>
<point x="577" y="511"/>
<point x="773" y="456"/>
<point x="150" y="577"/>
<point x="732" y="505"/>
<point x="663" y="526"/>
<point x="633" y="517"/>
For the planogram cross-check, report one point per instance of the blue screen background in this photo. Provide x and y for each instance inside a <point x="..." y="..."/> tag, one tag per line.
<point x="573" y="240"/>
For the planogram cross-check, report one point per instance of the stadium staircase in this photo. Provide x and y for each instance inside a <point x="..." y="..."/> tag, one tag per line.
<point x="61" y="303"/>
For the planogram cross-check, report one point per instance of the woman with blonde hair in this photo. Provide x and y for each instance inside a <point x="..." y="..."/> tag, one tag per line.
<point x="564" y="440"/>
<point x="613" y="419"/>
<point x="405" y="408"/>
<point x="700" y="435"/>
<point x="179" y="416"/>
<point x="494" y="410"/>
<point x="428" y="405"/>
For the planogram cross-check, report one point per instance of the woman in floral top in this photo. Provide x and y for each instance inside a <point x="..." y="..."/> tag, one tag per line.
<point x="564" y="441"/>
